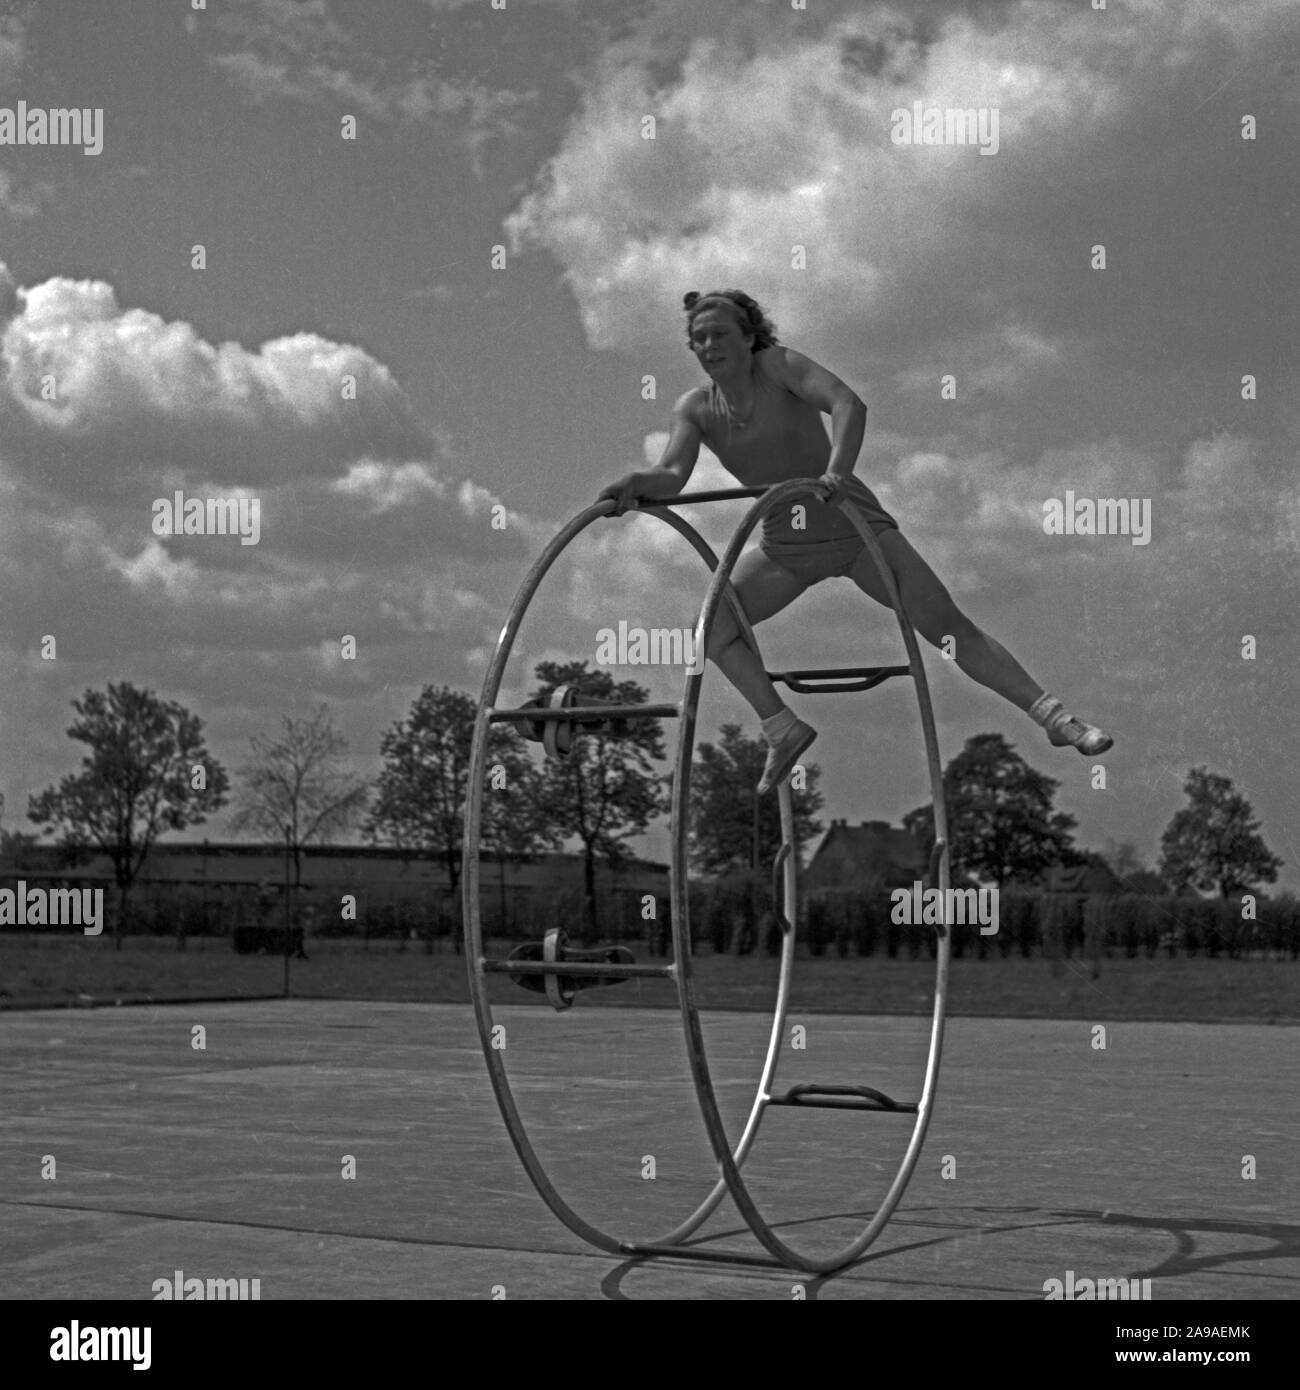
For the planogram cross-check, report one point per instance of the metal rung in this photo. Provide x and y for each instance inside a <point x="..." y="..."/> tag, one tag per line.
<point x="813" y="1096"/>
<point x="577" y="969"/>
<point x="699" y="1252"/>
<point x="845" y="679"/>
<point x="579" y="714"/>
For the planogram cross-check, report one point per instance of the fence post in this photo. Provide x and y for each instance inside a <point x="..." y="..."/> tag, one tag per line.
<point x="288" y="902"/>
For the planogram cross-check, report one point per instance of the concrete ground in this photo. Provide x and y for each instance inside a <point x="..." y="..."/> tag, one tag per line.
<point x="127" y="1154"/>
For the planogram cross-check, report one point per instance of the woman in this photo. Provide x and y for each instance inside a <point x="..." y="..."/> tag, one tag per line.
<point x="761" y="414"/>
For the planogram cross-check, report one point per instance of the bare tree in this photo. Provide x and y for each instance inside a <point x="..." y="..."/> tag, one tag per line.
<point x="295" y="780"/>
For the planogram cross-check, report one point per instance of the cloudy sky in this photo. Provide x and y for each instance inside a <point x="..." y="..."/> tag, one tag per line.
<point x="498" y="259"/>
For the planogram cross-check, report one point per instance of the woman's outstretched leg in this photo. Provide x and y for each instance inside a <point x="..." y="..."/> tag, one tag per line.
<point x="984" y="659"/>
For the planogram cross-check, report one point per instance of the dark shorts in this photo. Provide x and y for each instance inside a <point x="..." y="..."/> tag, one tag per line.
<point x="813" y="561"/>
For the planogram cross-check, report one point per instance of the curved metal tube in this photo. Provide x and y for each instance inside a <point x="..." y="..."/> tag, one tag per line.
<point x="470" y="880"/>
<point x="730" y="1169"/>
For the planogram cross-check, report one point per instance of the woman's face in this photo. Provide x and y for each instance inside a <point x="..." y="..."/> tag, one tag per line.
<point x="718" y="342"/>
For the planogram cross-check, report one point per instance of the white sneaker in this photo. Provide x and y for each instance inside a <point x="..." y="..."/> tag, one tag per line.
<point x="782" y="756"/>
<point x="1074" y="733"/>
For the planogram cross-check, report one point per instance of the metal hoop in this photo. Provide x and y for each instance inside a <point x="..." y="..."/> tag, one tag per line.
<point x="730" y="1167"/>
<point x="470" y="879"/>
<point x="784" y="873"/>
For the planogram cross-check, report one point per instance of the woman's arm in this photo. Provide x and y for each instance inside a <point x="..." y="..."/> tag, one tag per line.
<point x="673" y="470"/>
<point x="813" y="383"/>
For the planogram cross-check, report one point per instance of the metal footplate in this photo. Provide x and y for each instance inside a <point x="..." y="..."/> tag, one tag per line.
<point x="814" y="1096"/>
<point x="834" y="682"/>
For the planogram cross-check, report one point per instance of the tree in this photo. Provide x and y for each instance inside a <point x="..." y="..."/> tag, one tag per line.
<point x="19" y="852"/>
<point x="24" y="853"/>
<point x="296" y="781"/>
<point x="147" y="771"/>
<point x="1213" y="842"/>
<point x="1001" y="825"/>
<point x="12" y="846"/>
<point x="420" y="794"/>
<point x="605" y="790"/>
<point x="515" y="823"/>
<point x="1122" y="858"/>
<point x="725" y="806"/>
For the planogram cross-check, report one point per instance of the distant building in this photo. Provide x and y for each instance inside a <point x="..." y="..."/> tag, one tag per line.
<point x="1073" y="880"/>
<point x="864" y="857"/>
<point x="1081" y="880"/>
<point x="379" y="873"/>
<point x="1144" y="881"/>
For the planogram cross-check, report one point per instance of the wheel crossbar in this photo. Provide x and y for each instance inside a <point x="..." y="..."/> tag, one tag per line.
<point x="700" y="1252"/>
<point x="584" y="714"/>
<point x="717" y="494"/>
<point x="578" y="968"/>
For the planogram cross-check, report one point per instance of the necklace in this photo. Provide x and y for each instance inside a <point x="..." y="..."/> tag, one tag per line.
<point x="737" y="423"/>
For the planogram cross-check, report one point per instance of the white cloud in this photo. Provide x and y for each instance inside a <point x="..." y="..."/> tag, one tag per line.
<point x="355" y="537"/>
<point x="23" y="198"/>
<point x="388" y="485"/>
<point x="278" y="51"/>
<point x="154" y="566"/>
<point x="776" y="135"/>
<point x="13" y="49"/>
<point x="995" y="361"/>
<point x="132" y="391"/>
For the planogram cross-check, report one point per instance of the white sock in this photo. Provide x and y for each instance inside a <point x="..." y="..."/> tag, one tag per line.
<point x="778" y="725"/>
<point x="1047" y="710"/>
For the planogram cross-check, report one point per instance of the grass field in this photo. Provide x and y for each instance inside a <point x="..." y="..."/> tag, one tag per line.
<point x="44" y="971"/>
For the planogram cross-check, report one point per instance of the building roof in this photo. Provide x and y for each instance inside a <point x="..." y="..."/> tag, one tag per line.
<point x="1094" y="876"/>
<point x="850" y="854"/>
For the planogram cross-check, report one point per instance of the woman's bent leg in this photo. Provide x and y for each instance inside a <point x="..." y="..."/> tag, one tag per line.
<point x="763" y="588"/>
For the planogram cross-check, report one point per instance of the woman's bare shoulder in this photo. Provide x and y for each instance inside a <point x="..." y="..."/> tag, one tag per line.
<point x="772" y="360"/>
<point x="694" y="405"/>
<point x="803" y="377"/>
<point x="779" y="363"/>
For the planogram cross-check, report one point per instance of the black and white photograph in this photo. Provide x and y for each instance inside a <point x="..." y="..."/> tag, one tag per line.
<point x="649" y="652"/>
